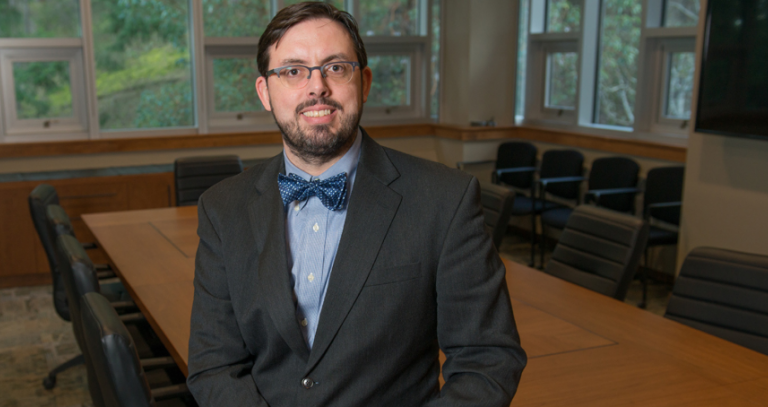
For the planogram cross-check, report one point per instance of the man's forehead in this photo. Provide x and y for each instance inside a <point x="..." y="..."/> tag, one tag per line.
<point x="334" y="35"/>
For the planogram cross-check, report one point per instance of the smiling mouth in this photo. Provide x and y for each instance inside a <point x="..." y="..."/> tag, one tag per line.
<point x="317" y="113"/>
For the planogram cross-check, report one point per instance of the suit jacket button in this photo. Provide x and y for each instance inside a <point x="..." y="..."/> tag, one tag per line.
<point x="307" y="382"/>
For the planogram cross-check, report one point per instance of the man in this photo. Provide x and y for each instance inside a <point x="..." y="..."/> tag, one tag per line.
<point x="332" y="274"/>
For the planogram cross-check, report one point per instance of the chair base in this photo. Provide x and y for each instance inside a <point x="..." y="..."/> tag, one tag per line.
<point x="50" y="381"/>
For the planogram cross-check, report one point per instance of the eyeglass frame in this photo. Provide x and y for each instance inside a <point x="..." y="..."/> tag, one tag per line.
<point x="275" y="71"/>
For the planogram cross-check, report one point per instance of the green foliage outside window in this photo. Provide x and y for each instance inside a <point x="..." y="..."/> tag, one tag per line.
<point x="563" y="15"/>
<point x="42" y="89"/>
<point x="143" y="69"/>
<point x="390" y="85"/>
<point x="389" y="17"/>
<point x="681" y="13"/>
<point x="235" y="18"/>
<point x="617" y="76"/>
<point x="39" y="18"/>
<point x="235" y="90"/>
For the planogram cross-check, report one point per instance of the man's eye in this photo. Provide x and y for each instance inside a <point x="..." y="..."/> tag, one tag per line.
<point x="337" y="68"/>
<point x="291" y="72"/>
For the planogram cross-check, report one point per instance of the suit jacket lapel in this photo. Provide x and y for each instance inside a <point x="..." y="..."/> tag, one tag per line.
<point x="371" y="209"/>
<point x="275" y="290"/>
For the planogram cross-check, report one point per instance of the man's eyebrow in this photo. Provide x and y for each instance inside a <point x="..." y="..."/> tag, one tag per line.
<point x="329" y="58"/>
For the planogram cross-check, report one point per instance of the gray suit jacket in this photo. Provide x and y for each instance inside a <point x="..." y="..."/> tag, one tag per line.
<point x="415" y="272"/>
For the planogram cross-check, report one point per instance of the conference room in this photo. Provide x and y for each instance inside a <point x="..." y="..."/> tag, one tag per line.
<point x="620" y="149"/>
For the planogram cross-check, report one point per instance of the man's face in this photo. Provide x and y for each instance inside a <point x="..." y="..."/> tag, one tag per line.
<point x="302" y="114"/>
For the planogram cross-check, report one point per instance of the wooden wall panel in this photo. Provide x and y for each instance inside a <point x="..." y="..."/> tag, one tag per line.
<point x="23" y="259"/>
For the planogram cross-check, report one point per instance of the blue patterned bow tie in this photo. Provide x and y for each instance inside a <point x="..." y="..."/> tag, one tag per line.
<point x="332" y="192"/>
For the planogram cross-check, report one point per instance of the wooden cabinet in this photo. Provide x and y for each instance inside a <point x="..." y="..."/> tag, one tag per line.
<point x="22" y="258"/>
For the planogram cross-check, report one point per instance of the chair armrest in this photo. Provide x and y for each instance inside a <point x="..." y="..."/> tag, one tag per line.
<point x="597" y="193"/>
<point x="132" y="318"/>
<point x="157" y="363"/>
<point x="515" y="169"/>
<point x="102" y="267"/>
<point x="122" y="304"/>
<point x="557" y="180"/>
<point x="168" y="392"/>
<point x="651" y="207"/>
<point x="101" y="275"/>
<point x="460" y="164"/>
<point x="89" y="245"/>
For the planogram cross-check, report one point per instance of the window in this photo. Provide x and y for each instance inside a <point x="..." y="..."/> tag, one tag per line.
<point x="522" y="53"/>
<point x="78" y="69"/>
<point x="143" y="64"/>
<point x="617" y="70"/>
<point x="610" y="65"/>
<point x="562" y="73"/>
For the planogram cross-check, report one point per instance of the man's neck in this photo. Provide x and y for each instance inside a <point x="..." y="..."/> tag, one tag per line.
<point x="314" y="167"/>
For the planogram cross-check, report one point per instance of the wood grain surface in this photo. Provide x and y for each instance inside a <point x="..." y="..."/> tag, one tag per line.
<point x="584" y="349"/>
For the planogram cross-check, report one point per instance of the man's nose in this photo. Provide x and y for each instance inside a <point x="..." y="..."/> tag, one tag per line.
<point x="318" y="86"/>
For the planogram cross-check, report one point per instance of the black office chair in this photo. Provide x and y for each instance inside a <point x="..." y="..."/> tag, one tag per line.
<point x="599" y="249"/>
<point x="115" y="360"/>
<point x="39" y="199"/>
<point x="58" y="222"/>
<point x="79" y="278"/>
<point x="497" y="204"/>
<point x="612" y="184"/>
<point x="662" y="200"/>
<point x="560" y="177"/>
<point x="515" y="167"/>
<point x="724" y="293"/>
<point x="194" y="175"/>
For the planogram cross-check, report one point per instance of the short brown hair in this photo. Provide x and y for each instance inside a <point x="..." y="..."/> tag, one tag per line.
<point x="297" y="13"/>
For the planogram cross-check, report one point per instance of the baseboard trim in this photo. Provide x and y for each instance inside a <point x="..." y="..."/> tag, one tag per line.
<point x="25" y="280"/>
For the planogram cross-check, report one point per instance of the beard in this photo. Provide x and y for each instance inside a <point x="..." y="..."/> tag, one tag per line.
<point x="318" y="144"/>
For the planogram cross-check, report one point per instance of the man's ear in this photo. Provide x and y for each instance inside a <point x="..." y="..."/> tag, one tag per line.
<point x="263" y="90"/>
<point x="367" y="77"/>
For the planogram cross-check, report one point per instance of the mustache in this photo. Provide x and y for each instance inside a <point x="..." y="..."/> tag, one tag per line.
<point x="320" y="101"/>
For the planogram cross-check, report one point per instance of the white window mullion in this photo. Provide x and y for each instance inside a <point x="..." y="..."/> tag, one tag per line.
<point x="198" y="66"/>
<point x="588" y="62"/>
<point x="89" y="68"/>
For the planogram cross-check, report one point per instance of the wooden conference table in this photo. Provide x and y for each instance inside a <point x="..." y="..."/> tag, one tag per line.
<point x="584" y="349"/>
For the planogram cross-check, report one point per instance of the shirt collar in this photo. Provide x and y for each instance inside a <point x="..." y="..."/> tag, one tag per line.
<point x="347" y="163"/>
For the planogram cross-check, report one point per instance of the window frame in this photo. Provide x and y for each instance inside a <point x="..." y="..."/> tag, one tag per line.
<point x="203" y="50"/>
<point x="650" y="123"/>
<point x="49" y="128"/>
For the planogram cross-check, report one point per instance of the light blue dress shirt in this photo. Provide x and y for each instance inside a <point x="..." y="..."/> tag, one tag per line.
<point x="313" y="238"/>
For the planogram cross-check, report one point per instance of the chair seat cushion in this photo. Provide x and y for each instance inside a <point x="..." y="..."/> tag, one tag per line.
<point x="557" y="217"/>
<point x="661" y="237"/>
<point x="522" y="206"/>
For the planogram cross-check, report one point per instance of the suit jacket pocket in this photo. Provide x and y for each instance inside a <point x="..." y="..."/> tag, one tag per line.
<point x="388" y="275"/>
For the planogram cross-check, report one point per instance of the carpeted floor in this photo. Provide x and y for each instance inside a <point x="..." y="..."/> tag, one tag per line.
<point x="33" y="340"/>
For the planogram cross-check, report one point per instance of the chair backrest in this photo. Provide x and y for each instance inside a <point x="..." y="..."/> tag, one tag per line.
<point x="194" y="175"/>
<point x="516" y="154"/>
<point x="615" y="172"/>
<point x="79" y="277"/>
<point x="39" y="199"/>
<point x="664" y="184"/>
<point x="59" y="222"/>
<point x="497" y="208"/>
<point x="562" y="163"/>
<point x="599" y="249"/>
<point x="724" y="293"/>
<point x="113" y="354"/>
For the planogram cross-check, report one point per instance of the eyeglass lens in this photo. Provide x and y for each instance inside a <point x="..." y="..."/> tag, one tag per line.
<point x="298" y="76"/>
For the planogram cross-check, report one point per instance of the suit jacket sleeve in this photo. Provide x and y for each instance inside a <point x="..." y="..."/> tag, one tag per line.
<point x="219" y="363"/>
<point x="476" y="328"/>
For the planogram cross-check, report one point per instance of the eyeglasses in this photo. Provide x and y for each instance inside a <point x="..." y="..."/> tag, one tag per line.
<point x="297" y="76"/>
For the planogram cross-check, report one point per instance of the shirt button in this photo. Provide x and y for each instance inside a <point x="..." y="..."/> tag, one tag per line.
<point x="297" y="207"/>
<point x="307" y="382"/>
<point x="311" y="277"/>
<point x="303" y="322"/>
<point x="316" y="227"/>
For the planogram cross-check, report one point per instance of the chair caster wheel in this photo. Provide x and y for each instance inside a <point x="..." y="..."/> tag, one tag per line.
<point x="49" y="382"/>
